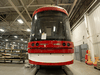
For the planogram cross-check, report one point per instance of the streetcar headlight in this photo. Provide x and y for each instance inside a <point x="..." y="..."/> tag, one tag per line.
<point x="64" y="44"/>
<point x="68" y="44"/>
<point x="37" y="44"/>
<point x="32" y="44"/>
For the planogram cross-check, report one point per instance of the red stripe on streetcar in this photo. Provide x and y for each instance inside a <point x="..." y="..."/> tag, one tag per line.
<point x="42" y="63"/>
<point x="50" y="50"/>
<point x="50" y="8"/>
<point x="50" y="44"/>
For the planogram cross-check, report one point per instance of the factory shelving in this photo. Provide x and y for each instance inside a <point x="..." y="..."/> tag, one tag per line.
<point x="12" y="55"/>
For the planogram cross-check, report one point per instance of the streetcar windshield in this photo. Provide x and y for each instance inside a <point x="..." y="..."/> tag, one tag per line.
<point x="49" y="25"/>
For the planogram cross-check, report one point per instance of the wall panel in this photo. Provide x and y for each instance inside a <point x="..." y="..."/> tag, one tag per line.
<point x="79" y="34"/>
<point x="93" y="22"/>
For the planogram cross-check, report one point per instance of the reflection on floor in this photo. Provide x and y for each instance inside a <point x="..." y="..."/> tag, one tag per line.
<point x="78" y="68"/>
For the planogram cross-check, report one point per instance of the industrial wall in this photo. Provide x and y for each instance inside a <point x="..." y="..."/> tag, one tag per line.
<point x="79" y="34"/>
<point x="88" y="31"/>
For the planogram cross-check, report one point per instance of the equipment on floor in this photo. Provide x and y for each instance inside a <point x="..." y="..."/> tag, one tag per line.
<point x="88" y="58"/>
<point x="80" y="52"/>
<point x="96" y="63"/>
<point x="28" y="65"/>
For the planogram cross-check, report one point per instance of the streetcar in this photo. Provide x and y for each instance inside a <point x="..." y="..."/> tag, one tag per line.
<point x="50" y="38"/>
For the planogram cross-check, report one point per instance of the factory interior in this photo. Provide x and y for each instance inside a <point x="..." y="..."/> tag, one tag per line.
<point x="16" y="27"/>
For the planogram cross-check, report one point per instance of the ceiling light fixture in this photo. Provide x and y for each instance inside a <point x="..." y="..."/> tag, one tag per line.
<point x="13" y="42"/>
<point x="0" y="36"/>
<point x="21" y="39"/>
<point x="54" y="28"/>
<point x="10" y="44"/>
<point x="16" y="36"/>
<point x="28" y="30"/>
<point x="6" y="39"/>
<point x="20" y="21"/>
<point x="2" y="30"/>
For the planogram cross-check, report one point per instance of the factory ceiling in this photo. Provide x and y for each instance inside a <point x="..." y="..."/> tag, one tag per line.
<point x="14" y="11"/>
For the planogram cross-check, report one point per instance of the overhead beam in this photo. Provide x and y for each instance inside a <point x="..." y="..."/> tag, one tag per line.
<point x="52" y="1"/>
<point x="82" y="8"/>
<point x="8" y="28"/>
<point x="72" y="7"/>
<point x="19" y="12"/>
<point x="22" y="12"/>
<point x="75" y="9"/>
<point x="6" y="7"/>
<point x="67" y="4"/>
<point x="26" y="10"/>
<point x="5" y="22"/>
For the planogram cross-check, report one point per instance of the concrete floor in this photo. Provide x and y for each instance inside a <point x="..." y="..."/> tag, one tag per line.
<point x="78" y="68"/>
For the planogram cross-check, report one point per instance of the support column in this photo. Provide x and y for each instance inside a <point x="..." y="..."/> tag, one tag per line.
<point x="89" y="38"/>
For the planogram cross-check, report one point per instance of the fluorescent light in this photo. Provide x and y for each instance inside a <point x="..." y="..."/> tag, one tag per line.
<point x="54" y="28"/>
<point x="13" y="42"/>
<point x="16" y="36"/>
<point x="2" y="30"/>
<point x="10" y="44"/>
<point x="6" y="39"/>
<point x="28" y="30"/>
<point x="21" y="39"/>
<point x="20" y="21"/>
<point x="60" y="21"/>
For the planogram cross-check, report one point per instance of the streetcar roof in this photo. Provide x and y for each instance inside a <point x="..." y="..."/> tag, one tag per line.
<point x="52" y="7"/>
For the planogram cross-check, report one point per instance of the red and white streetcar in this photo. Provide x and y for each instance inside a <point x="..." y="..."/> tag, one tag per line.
<point x="50" y="42"/>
